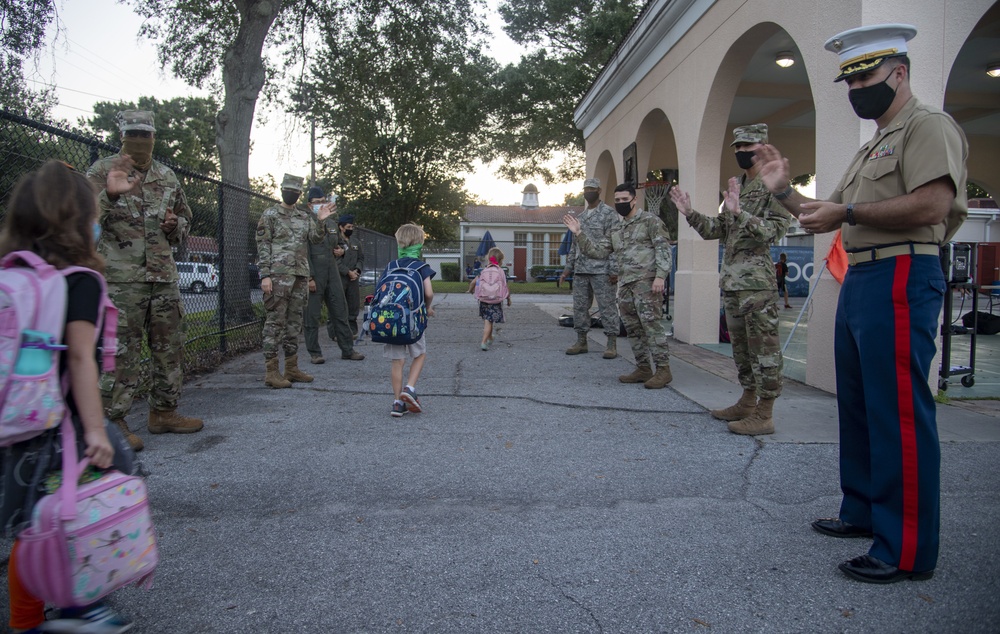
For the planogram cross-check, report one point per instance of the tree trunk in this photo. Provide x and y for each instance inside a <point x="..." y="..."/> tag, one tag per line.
<point x="243" y="77"/>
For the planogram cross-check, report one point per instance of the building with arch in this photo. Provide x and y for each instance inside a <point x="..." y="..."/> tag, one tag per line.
<point x="689" y="71"/>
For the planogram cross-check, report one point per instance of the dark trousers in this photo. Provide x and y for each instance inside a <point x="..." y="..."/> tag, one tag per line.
<point x="885" y="333"/>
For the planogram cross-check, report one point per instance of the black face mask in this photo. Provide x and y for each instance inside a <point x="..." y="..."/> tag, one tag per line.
<point x="289" y="197"/>
<point x="871" y="102"/>
<point x="591" y="197"/>
<point x="348" y="233"/>
<point x="744" y="160"/>
<point x="623" y="209"/>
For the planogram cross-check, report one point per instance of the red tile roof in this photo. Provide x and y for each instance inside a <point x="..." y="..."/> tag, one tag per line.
<point x="515" y="214"/>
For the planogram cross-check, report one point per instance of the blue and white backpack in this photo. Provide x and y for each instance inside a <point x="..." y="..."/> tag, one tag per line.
<point x="397" y="313"/>
<point x="32" y="320"/>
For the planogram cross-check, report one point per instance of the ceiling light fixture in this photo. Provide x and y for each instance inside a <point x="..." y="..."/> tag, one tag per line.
<point x="993" y="70"/>
<point x="784" y="59"/>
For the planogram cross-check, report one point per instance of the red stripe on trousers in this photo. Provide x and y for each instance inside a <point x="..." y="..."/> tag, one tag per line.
<point x="904" y="394"/>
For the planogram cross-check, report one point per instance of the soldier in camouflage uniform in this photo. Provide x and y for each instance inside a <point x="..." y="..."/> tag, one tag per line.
<point x="143" y="214"/>
<point x="325" y="288"/>
<point x="283" y="237"/>
<point x="351" y="263"/>
<point x="642" y="251"/>
<point x="593" y="277"/>
<point x="754" y="221"/>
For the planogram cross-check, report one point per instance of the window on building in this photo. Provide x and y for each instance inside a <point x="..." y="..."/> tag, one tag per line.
<point x="555" y="239"/>
<point x="537" y="248"/>
<point x="520" y="239"/>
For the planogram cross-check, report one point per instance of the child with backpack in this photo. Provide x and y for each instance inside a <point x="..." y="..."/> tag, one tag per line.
<point x="398" y="316"/>
<point x="53" y="213"/>
<point x="490" y="288"/>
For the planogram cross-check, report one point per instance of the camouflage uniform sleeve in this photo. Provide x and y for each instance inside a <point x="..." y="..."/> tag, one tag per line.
<point x="317" y="230"/>
<point x="599" y="249"/>
<point x="264" y="240"/>
<point x="709" y="228"/>
<point x="769" y="228"/>
<point x="184" y="218"/>
<point x="661" y="246"/>
<point x="610" y="221"/>
<point x="360" y="266"/>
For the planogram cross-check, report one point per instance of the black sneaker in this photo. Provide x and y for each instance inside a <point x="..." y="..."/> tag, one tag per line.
<point x="409" y="397"/>
<point x="398" y="409"/>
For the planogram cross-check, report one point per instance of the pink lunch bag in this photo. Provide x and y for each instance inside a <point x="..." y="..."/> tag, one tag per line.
<point x="85" y="541"/>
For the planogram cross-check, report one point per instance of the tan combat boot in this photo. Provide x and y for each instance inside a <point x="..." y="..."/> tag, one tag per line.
<point x="757" y="424"/>
<point x="292" y="371"/>
<point x="642" y="374"/>
<point x="163" y="421"/>
<point x="273" y="376"/>
<point x="743" y="407"/>
<point x="134" y="441"/>
<point x="580" y="346"/>
<point x="611" y="351"/>
<point x="660" y="379"/>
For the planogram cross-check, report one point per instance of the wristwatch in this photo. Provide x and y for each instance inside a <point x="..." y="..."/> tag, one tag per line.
<point x="785" y="194"/>
<point x="850" y="215"/>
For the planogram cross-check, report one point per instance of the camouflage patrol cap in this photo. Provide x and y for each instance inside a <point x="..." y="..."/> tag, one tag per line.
<point x="753" y="133"/>
<point x="135" y="120"/>
<point x="292" y="182"/>
<point x="592" y="182"/>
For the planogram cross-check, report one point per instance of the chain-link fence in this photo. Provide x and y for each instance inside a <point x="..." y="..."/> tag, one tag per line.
<point x="223" y="313"/>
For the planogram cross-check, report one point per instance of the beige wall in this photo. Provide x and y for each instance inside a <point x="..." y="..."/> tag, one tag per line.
<point x="678" y="112"/>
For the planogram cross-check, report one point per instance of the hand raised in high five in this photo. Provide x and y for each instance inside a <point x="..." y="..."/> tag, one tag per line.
<point x="774" y="170"/>
<point x="682" y="200"/>
<point x="118" y="181"/>
<point x="732" y="196"/>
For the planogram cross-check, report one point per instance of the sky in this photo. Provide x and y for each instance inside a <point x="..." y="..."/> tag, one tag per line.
<point x="85" y="65"/>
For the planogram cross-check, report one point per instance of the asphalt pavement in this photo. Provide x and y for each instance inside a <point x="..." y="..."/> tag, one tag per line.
<point x="535" y="493"/>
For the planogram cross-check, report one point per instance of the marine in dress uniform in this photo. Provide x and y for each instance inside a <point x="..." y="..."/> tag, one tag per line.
<point x="901" y="198"/>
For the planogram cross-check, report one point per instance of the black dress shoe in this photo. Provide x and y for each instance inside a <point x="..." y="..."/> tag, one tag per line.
<point x="873" y="570"/>
<point x="835" y="527"/>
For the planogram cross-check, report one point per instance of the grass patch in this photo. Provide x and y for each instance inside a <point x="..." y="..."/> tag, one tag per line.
<point x="516" y="288"/>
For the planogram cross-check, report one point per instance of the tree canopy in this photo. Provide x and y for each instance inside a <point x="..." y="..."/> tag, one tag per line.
<point x="22" y="33"/>
<point x="402" y="91"/>
<point x="571" y="41"/>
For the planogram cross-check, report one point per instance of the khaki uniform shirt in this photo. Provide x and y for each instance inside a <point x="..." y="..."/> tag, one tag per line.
<point x="283" y="238"/>
<point x="640" y="245"/>
<point x="746" y="238"/>
<point x="921" y="144"/>
<point x="133" y="245"/>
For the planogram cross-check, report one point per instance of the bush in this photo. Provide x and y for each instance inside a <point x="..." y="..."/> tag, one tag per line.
<point x="538" y="271"/>
<point x="450" y="272"/>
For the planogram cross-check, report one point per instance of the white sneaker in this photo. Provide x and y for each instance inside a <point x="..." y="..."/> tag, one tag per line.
<point x="94" y="619"/>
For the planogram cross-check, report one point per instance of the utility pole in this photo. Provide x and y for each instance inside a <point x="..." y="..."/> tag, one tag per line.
<point x="312" y="149"/>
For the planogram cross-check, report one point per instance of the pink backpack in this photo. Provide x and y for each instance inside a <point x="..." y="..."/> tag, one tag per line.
<point x="86" y="541"/>
<point x="32" y="320"/>
<point x="492" y="286"/>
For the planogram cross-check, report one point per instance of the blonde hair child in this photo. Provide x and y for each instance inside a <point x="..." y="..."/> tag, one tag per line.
<point x="490" y="313"/>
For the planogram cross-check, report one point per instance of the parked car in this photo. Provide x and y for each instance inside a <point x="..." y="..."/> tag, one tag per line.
<point x="368" y="278"/>
<point x="197" y="277"/>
